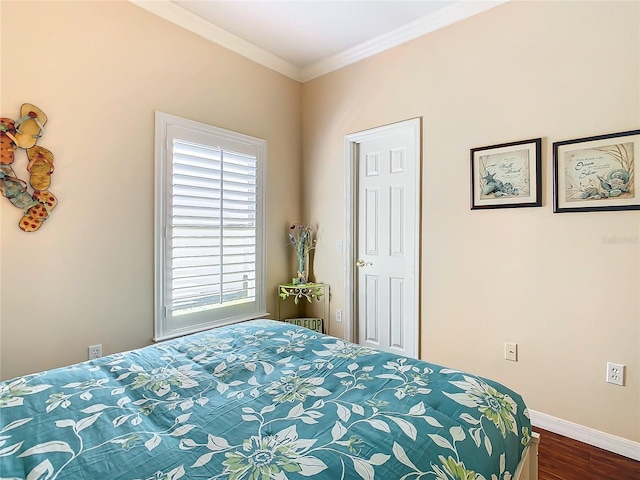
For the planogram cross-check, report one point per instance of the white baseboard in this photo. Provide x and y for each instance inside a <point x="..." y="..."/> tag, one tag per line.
<point x="606" y="441"/>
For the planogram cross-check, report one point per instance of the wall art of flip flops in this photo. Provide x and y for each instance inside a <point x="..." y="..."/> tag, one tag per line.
<point x="24" y="133"/>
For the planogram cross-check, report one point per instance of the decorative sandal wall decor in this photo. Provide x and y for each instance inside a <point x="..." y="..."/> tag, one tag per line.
<point x="25" y="133"/>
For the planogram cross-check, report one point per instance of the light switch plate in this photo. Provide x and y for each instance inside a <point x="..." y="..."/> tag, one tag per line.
<point x="511" y="351"/>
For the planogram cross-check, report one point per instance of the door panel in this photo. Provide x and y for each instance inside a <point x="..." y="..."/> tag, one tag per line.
<point x="397" y="318"/>
<point x="372" y="318"/>
<point x="396" y="220"/>
<point x="386" y="251"/>
<point x="371" y="230"/>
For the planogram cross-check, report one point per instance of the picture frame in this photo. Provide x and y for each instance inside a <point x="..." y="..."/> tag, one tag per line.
<point x="597" y="173"/>
<point x="508" y="175"/>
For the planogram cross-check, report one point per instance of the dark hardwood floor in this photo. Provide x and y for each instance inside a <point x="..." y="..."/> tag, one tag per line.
<point x="562" y="458"/>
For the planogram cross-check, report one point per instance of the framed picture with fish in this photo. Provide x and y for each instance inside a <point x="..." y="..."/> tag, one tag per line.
<point x="507" y="175"/>
<point x="597" y="173"/>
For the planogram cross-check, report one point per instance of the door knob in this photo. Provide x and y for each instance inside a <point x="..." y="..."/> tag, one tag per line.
<point x="362" y="263"/>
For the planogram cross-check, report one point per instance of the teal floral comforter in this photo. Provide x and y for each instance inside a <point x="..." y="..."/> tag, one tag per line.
<point x="257" y="401"/>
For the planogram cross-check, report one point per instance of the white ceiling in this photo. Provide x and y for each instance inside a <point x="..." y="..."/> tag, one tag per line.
<point x="305" y="32"/>
<point x="304" y="39"/>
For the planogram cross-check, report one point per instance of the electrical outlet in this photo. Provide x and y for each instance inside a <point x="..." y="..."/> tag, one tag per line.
<point x="95" y="351"/>
<point x="338" y="316"/>
<point x="615" y="373"/>
<point x="511" y="351"/>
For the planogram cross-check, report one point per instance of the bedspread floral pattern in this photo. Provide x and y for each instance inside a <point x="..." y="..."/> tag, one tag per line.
<point x="257" y="401"/>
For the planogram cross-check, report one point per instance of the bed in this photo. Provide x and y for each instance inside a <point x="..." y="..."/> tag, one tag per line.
<point x="262" y="400"/>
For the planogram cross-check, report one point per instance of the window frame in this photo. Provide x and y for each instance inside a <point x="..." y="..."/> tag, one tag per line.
<point x="168" y="127"/>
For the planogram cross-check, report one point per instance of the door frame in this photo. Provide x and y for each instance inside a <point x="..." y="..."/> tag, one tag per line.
<point x="351" y="142"/>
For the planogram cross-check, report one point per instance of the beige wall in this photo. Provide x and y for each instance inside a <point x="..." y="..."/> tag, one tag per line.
<point x="100" y="70"/>
<point x="558" y="70"/>
<point x="550" y="282"/>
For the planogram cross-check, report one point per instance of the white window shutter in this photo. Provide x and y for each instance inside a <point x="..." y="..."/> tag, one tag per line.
<point x="210" y="244"/>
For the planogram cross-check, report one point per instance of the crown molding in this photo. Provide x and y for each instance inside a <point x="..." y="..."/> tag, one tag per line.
<point x="427" y="24"/>
<point x="195" y="24"/>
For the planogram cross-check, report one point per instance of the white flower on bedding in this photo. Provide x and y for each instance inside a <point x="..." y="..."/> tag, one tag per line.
<point x="209" y="345"/>
<point x="454" y="470"/>
<point x="272" y="457"/>
<point x="494" y="405"/>
<point x="342" y="349"/>
<point x="258" y="337"/>
<point x="174" y="474"/>
<point x="292" y="388"/>
<point x="296" y="343"/>
<point x="11" y="393"/>
<point x="160" y="380"/>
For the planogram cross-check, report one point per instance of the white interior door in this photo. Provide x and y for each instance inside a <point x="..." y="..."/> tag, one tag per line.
<point x="387" y="238"/>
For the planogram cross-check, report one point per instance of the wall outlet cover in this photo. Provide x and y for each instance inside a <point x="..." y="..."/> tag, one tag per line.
<point x="615" y="373"/>
<point x="95" y="351"/>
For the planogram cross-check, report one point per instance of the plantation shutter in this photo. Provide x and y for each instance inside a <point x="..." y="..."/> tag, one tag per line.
<point x="213" y="233"/>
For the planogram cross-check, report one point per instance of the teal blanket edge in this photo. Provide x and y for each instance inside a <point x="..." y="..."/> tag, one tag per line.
<point x="259" y="400"/>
